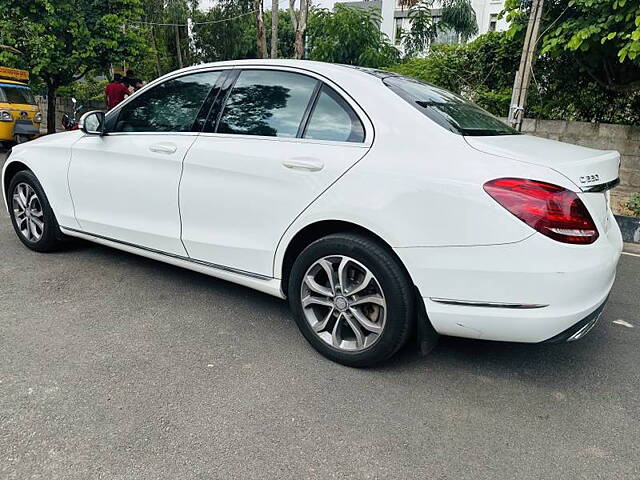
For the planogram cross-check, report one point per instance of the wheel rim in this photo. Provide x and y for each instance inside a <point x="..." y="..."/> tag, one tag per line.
<point x="343" y="303"/>
<point x="27" y="211"/>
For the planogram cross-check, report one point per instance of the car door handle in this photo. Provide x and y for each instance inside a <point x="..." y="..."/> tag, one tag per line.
<point x="163" y="148"/>
<point x="304" y="163"/>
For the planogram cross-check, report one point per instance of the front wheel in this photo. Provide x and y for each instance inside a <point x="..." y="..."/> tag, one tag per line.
<point x="31" y="215"/>
<point x="352" y="299"/>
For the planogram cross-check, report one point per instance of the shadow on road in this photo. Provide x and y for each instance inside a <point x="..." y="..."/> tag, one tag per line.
<point x="535" y="362"/>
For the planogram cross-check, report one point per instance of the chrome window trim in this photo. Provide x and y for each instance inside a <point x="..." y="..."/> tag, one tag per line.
<point x="285" y="139"/>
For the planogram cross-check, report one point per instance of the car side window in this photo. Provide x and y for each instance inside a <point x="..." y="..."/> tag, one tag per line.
<point x="333" y="119"/>
<point x="268" y="103"/>
<point x="171" y="106"/>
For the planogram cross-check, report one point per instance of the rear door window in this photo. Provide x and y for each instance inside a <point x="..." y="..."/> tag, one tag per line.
<point x="269" y="103"/>
<point x="333" y="119"/>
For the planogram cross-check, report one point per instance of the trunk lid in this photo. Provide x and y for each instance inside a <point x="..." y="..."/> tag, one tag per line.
<point x="593" y="171"/>
<point x="589" y="169"/>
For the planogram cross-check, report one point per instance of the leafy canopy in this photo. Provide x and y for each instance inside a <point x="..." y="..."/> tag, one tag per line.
<point x="61" y="40"/>
<point x="456" y="16"/>
<point x="349" y="35"/>
<point x="483" y="72"/>
<point x="601" y="36"/>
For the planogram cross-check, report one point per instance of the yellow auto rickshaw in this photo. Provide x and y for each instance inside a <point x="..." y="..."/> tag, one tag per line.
<point x="20" y="116"/>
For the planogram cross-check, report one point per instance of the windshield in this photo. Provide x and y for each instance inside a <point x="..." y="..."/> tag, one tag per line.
<point x="447" y="109"/>
<point x="12" y="93"/>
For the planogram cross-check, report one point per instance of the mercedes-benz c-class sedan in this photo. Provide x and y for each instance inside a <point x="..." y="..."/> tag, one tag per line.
<point x="382" y="208"/>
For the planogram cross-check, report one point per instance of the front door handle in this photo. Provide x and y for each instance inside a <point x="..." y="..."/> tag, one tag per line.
<point x="163" y="148"/>
<point x="304" y="163"/>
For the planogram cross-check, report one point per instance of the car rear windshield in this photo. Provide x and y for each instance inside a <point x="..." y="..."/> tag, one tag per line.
<point x="11" y="93"/>
<point x="447" y="109"/>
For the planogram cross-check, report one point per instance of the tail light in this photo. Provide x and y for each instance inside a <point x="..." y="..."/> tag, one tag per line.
<point x="553" y="211"/>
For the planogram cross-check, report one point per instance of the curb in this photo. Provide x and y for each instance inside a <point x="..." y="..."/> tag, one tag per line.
<point x="630" y="228"/>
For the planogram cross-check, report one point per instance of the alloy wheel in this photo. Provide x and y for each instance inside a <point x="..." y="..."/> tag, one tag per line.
<point x="27" y="211"/>
<point x="343" y="302"/>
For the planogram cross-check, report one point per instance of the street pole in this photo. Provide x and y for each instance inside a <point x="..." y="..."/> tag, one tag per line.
<point x="523" y="75"/>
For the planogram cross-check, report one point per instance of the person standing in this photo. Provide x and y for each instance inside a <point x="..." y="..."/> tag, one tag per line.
<point x="115" y="92"/>
<point x="129" y="80"/>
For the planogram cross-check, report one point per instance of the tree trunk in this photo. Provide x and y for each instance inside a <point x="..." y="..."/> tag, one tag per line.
<point x="178" y="50"/>
<point x="299" y="20"/>
<point x="51" y="107"/>
<point x="155" y="48"/>
<point x="260" y="35"/>
<point x="274" y="28"/>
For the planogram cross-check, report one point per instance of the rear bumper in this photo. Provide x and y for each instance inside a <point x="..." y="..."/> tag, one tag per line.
<point x="580" y="329"/>
<point x="530" y="291"/>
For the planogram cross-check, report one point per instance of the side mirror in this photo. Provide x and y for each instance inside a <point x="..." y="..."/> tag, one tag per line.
<point x="73" y="100"/>
<point x="92" y="123"/>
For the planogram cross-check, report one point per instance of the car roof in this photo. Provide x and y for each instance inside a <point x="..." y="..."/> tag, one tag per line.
<point x="314" y="66"/>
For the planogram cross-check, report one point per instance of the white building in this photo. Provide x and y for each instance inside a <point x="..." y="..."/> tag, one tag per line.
<point x="395" y="18"/>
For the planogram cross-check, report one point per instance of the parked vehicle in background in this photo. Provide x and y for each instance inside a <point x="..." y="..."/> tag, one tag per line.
<point x="70" y="122"/>
<point x="378" y="205"/>
<point x="20" y="116"/>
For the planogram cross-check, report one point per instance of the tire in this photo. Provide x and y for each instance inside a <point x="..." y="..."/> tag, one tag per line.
<point x="22" y="139"/>
<point x="328" y="312"/>
<point x="45" y="238"/>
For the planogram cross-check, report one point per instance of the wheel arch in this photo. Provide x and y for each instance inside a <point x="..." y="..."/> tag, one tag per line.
<point x="316" y="230"/>
<point x="9" y="171"/>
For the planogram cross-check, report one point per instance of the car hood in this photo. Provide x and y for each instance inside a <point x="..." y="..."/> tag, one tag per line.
<point x="587" y="168"/>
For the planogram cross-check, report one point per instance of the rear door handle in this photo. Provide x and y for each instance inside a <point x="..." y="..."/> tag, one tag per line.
<point x="163" y="148"/>
<point x="304" y="163"/>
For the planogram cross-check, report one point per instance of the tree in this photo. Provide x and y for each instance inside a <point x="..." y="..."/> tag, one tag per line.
<point x="274" y="28"/>
<point x="228" y="32"/>
<point x="62" y="40"/>
<point x="299" y="21"/>
<point x="349" y="35"/>
<point x="483" y="70"/>
<point x="232" y="36"/>
<point x="261" y="39"/>
<point x="601" y="36"/>
<point x="456" y="15"/>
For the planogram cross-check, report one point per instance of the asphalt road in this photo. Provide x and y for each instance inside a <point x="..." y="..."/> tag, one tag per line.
<point x="117" y="367"/>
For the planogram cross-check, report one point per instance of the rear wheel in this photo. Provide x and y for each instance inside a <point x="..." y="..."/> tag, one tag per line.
<point x="352" y="299"/>
<point x="31" y="215"/>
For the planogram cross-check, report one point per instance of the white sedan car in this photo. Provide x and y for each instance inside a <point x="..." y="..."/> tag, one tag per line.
<point x="382" y="208"/>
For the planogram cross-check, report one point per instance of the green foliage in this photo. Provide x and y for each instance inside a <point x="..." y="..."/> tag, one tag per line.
<point x="61" y="40"/>
<point x="423" y="29"/>
<point x="233" y="39"/>
<point x="483" y="71"/>
<point x="634" y="204"/>
<point x="456" y="15"/>
<point x="85" y="90"/>
<point x="465" y="69"/>
<point x="350" y="36"/>
<point x="236" y="38"/>
<point x="601" y="36"/>
<point x="160" y="38"/>
<point x="459" y="16"/>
